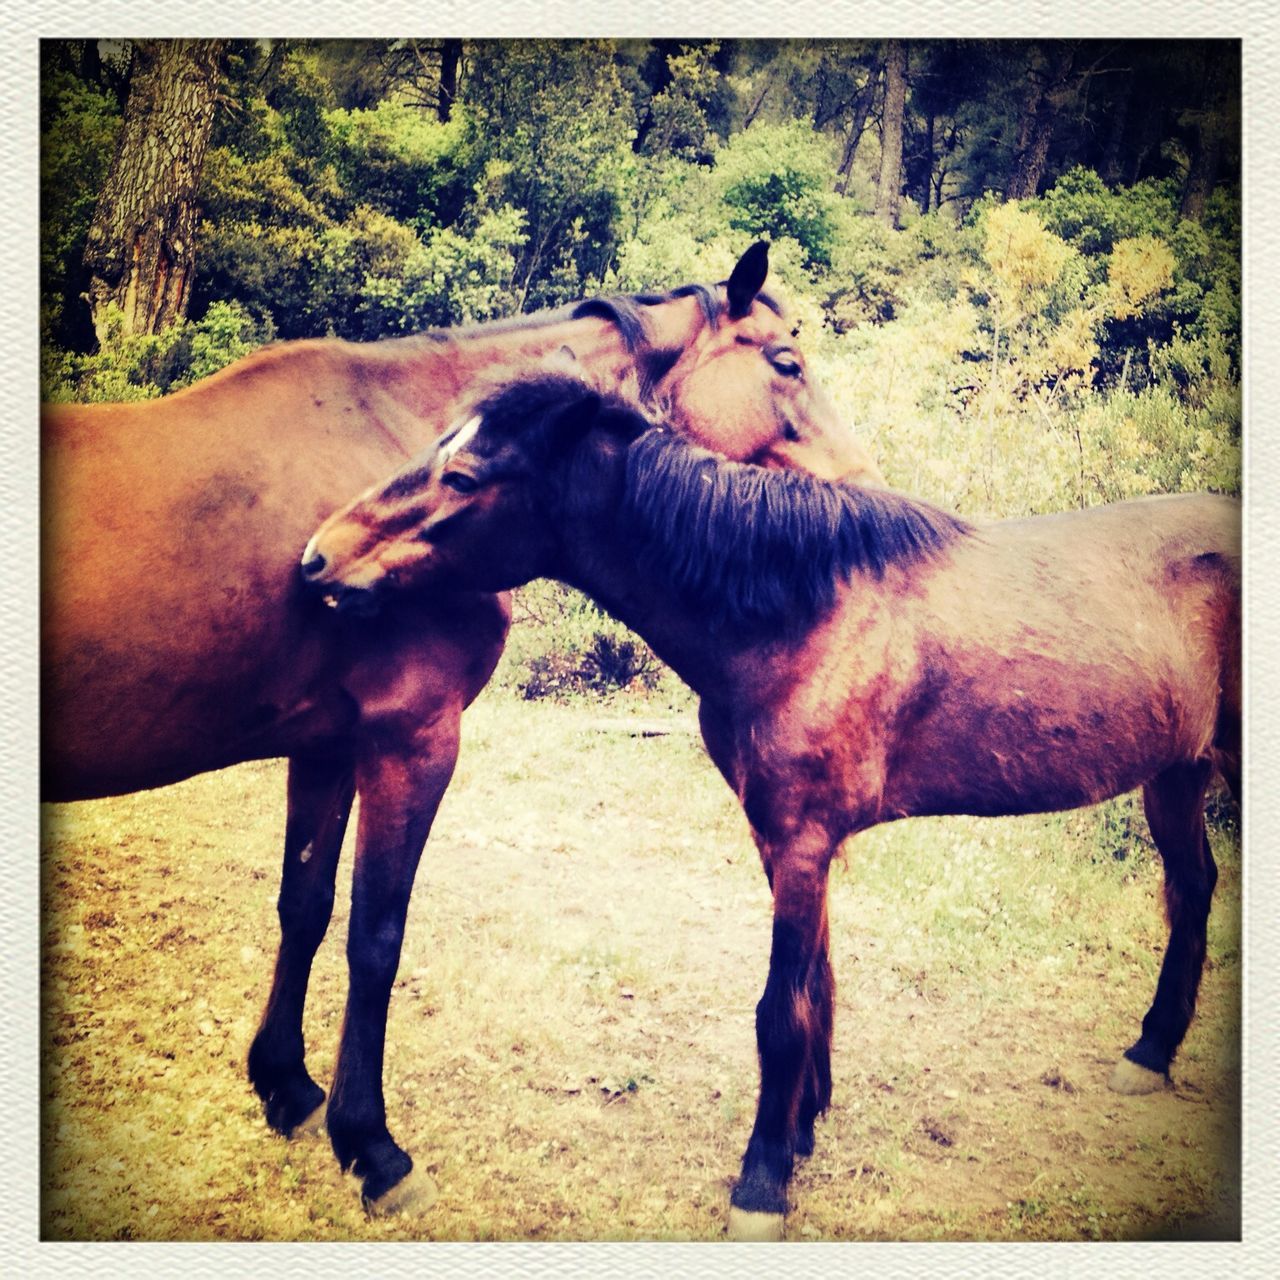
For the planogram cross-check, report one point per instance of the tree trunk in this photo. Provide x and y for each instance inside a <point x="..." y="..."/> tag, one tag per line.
<point x="1207" y="137"/>
<point x="861" y="109"/>
<point x="141" y="246"/>
<point x="1112" y="162"/>
<point x="889" y="191"/>
<point x="450" y="57"/>
<point x="927" y="184"/>
<point x="1040" y="117"/>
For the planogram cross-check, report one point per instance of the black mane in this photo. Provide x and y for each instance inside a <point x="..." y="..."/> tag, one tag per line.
<point x="761" y="550"/>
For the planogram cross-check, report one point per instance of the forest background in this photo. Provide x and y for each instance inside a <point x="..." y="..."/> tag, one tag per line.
<point x="1015" y="264"/>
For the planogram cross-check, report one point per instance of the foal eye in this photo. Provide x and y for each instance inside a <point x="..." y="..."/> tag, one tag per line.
<point x="460" y="482"/>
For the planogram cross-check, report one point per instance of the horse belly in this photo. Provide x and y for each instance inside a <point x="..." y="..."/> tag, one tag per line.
<point x="1030" y="733"/>
<point x="990" y="761"/>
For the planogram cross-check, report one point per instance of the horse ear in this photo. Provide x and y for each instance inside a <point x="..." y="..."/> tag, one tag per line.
<point x="570" y="422"/>
<point x="748" y="279"/>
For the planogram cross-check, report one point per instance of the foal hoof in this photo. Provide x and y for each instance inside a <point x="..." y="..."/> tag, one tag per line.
<point x="746" y="1225"/>
<point x="415" y="1193"/>
<point x="1130" y="1078"/>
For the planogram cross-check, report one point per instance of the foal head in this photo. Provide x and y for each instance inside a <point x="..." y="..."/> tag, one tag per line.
<point x="466" y="513"/>
<point x="549" y="475"/>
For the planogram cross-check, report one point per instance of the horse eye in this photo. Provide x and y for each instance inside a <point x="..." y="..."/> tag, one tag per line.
<point x="460" y="482"/>
<point x="786" y="364"/>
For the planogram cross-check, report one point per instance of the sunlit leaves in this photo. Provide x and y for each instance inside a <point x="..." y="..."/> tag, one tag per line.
<point x="1139" y="268"/>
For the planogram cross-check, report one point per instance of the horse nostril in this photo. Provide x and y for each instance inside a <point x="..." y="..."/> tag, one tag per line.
<point x="314" y="566"/>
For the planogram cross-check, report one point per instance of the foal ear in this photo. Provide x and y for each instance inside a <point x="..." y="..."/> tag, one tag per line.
<point x="568" y="423"/>
<point x="748" y="279"/>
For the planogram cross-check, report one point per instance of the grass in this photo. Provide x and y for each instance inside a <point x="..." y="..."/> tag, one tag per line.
<point x="571" y="1047"/>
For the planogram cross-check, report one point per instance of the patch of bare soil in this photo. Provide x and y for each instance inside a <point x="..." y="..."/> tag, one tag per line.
<point x="571" y="1044"/>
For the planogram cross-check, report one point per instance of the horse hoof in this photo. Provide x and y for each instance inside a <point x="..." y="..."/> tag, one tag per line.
<point x="1130" y="1078"/>
<point x="414" y="1193"/>
<point x="745" y="1225"/>
<point x="312" y="1125"/>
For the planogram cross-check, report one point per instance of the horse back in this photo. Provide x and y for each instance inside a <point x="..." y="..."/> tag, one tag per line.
<point x="1035" y="664"/>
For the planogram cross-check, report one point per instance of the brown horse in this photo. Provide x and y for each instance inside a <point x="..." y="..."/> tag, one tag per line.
<point x="860" y="657"/>
<point x="177" y="637"/>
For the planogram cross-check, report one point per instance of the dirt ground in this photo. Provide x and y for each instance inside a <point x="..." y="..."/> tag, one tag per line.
<point x="571" y="1043"/>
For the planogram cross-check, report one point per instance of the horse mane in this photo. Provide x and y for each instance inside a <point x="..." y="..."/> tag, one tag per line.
<point x="627" y="314"/>
<point x="761" y="550"/>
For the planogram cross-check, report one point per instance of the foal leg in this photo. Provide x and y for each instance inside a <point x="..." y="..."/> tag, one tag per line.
<point x="793" y="1030"/>
<point x="719" y="736"/>
<point x="401" y="780"/>
<point x="1174" y="802"/>
<point x="817" y="1088"/>
<point x="320" y="794"/>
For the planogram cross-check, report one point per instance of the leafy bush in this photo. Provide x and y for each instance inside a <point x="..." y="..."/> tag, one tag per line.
<point x="261" y="241"/>
<point x="775" y="182"/>
<point x="141" y="367"/>
<point x="563" y="646"/>
<point x="1203" y="289"/>
<point x="79" y="126"/>
<point x="403" y="162"/>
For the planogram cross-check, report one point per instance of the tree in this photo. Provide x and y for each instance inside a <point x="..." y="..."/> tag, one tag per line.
<point x="1211" y="126"/>
<point x="1049" y="85"/>
<point x="554" y="126"/>
<point x="140" y="252"/>
<point x="860" y="110"/>
<point x="889" y="191"/>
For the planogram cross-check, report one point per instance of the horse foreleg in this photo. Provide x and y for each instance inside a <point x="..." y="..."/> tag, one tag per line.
<point x="400" y="784"/>
<point x="817" y="1088"/>
<point x="1174" y="803"/>
<point x="793" y="1032"/>
<point x="320" y="792"/>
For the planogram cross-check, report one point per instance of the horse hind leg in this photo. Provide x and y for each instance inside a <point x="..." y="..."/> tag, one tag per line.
<point x="320" y="795"/>
<point x="1174" y="803"/>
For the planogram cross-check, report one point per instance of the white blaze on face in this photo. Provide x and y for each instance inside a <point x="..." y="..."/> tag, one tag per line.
<point x="463" y="437"/>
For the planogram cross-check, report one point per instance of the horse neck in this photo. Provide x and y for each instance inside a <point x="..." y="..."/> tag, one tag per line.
<point x="595" y="557"/>
<point x="433" y="376"/>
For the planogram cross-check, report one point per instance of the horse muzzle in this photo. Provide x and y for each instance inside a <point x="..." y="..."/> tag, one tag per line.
<point x="317" y="575"/>
<point x="359" y="602"/>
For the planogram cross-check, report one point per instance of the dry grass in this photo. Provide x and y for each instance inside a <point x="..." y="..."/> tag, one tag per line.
<point x="571" y="1051"/>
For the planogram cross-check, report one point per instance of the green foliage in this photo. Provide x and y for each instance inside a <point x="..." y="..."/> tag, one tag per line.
<point x="141" y="367"/>
<point x="681" y="127"/>
<point x="775" y="182"/>
<point x="79" y="126"/>
<point x="554" y="127"/>
<point x="380" y="279"/>
<point x="1203" y="295"/>
<point x="403" y="162"/>
<point x="997" y="357"/>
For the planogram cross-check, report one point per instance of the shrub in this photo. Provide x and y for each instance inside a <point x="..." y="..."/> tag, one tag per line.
<point x="774" y="180"/>
<point x="142" y="366"/>
<point x="563" y="646"/>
